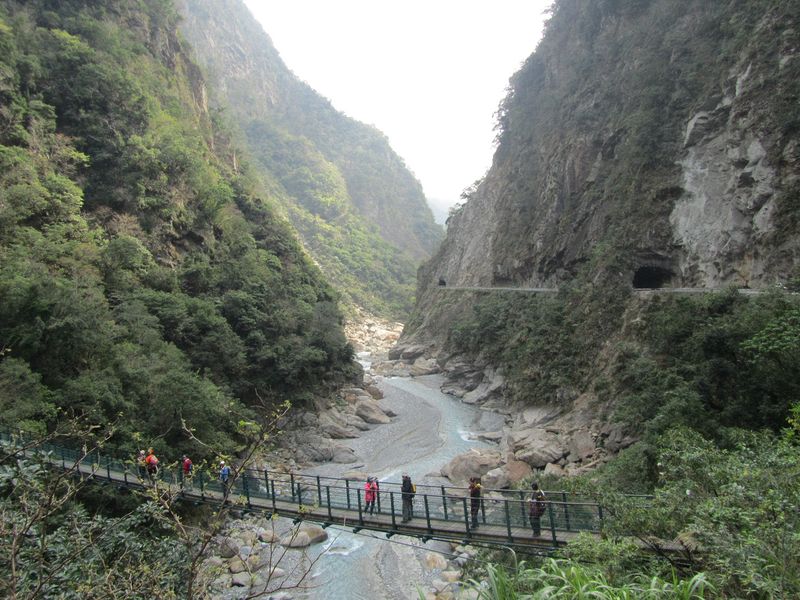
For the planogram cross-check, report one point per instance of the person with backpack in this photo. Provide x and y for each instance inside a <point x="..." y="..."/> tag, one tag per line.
<point x="408" y="489"/>
<point x="224" y="476"/>
<point x="141" y="464"/>
<point x="151" y="463"/>
<point x="474" y="499"/>
<point x="370" y="494"/>
<point x="536" y="508"/>
<point x="186" y="470"/>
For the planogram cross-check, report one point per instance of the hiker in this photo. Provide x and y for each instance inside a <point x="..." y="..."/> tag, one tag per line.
<point x="224" y="476"/>
<point x="141" y="464"/>
<point x="186" y="470"/>
<point x="442" y="282"/>
<point x="536" y="508"/>
<point x="474" y="499"/>
<point x="408" y="489"/>
<point x="370" y="494"/>
<point x="151" y="462"/>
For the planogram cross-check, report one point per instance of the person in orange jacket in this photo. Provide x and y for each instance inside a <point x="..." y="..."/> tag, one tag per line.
<point x="151" y="462"/>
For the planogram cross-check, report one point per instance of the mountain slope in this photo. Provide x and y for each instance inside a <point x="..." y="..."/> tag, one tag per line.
<point x="359" y="211"/>
<point x="146" y="278"/>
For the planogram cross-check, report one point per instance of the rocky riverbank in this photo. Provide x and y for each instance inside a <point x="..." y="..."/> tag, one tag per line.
<point x="535" y="440"/>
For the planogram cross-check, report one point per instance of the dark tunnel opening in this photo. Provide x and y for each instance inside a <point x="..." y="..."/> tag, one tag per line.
<point x="651" y="277"/>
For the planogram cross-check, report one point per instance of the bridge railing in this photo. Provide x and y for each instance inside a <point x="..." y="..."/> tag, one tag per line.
<point x="437" y="507"/>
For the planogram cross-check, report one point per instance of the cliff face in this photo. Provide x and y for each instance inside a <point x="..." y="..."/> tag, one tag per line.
<point x="345" y="188"/>
<point x="641" y="137"/>
<point x="644" y="144"/>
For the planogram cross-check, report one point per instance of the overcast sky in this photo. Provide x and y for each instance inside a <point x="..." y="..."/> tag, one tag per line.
<point x="429" y="74"/>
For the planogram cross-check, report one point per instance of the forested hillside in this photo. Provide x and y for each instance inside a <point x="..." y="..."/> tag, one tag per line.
<point x="359" y="211"/>
<point x="146" y="277"/>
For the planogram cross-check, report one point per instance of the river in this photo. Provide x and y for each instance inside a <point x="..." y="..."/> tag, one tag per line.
<point x="429" y="430"/>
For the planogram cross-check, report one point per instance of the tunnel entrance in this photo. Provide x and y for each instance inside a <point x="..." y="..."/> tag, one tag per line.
<point x="650" y="277"/>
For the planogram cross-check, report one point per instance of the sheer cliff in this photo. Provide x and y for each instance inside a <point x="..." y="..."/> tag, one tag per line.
<point x="661" y="134"/>
<point x="358" y="209"/>
<point x="645" y="144"/>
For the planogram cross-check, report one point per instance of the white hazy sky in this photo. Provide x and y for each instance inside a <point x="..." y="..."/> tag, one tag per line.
<point x="430" y="74"/>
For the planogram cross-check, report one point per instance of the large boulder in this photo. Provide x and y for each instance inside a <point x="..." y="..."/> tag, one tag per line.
<point x="475" y="463"/>
<point x="424" y="366"/>
<point x="496" y="479"/>
<point x="298" y="539"/>
<point x="315" y="533"/>
<point x="581" y="445"/>
<point x="369" y="411"/>
<point x="343" y="455"/>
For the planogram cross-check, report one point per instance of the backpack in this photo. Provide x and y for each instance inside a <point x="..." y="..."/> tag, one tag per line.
<point x="413" y="488"/>
<point x="538" y="505"/>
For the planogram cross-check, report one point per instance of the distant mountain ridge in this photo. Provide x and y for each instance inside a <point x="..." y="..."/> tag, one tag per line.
<point x="359" y="211"/>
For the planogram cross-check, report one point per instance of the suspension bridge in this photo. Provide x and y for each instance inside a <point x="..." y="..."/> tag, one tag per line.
<point x="440" y="512"/>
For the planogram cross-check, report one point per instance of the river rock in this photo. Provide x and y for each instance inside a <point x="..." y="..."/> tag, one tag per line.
<point x="298" y="539"/>
<point x="424" y="366"/>
<point x="536" y="416"/>
<point x="491" y="436"/>
<point x="370" y="412"/>
<point x="357" y="422"/>
<point x="242" y="579"/>
<point x="236" y="565"/>
<point x="267" y="536"/>
<point x="435" y="561"/>
<point x="475" y="463"/>
<point x="228" y="547"/>
<point x="374" y="391"/>
<point x="213" y="562"/>
<point x="343" y="455"/>
<point x="451" y="576"/>
<point x="315" y="533"/>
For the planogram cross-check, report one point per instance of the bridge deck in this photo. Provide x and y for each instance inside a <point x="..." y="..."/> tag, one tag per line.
<point x="439" y="513"/>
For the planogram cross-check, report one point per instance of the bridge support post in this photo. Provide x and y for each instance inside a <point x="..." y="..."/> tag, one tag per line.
<point x="319" y="491"/>
<point x="328" y="498"/>
<point x="444" y="503"/>
<point x="466" y="518"/>
<point x="202" y="487"/>
<point x="291" y="484"/>
<point x="360" y="513"/>
<point x="266" y="480"/>
<point x="600" y="514"/>
<point x="347" y="488"/>
<point x="274" y="507"/>
<point x="394" y="517"/>
<point x="246" y="486"/>
<point x="552" y="524"/>
<point x="508" y="520"/>
<point x="427" y="513"/>
<point x="108" y="468"/>
<point x="566" y="509"/>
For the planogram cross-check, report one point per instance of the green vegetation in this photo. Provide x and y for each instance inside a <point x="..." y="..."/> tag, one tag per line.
<point x="146" y="279"/>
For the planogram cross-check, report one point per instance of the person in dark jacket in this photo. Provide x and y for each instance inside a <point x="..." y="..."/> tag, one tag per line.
<point x="474" y="499"/>
<point x="408" y="490"/>
<point x="536" y="508"/>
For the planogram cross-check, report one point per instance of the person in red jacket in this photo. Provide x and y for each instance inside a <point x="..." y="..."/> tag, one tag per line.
<point x="370" y="494"/>
<point x="186" y="470"/>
